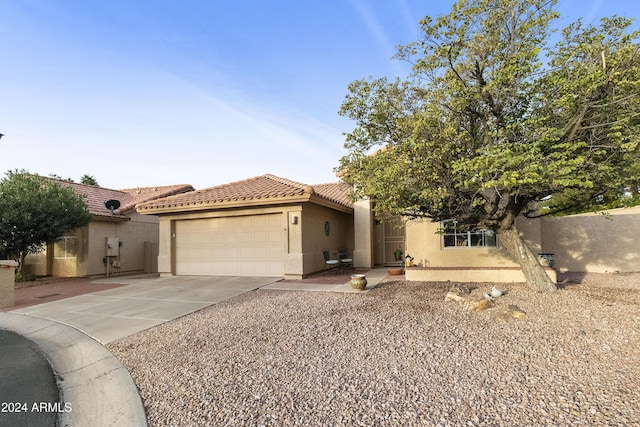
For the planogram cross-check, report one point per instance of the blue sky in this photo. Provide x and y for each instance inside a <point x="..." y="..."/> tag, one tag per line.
<point x="158" y="92"/>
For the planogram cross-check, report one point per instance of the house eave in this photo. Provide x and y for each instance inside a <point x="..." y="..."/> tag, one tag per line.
<point x="110" y="218"/>
<point x="243" y="203"/>
<point x="226" y="204"/>
<point x="330" y="204"/>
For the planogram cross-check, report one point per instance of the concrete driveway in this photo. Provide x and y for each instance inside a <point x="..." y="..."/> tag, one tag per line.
<point x="116" y="313"/>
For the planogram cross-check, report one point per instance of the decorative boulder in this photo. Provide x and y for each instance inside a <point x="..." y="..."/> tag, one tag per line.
<point x="508" y="313"/>
<point x="457" y="293"/>
<point x="477" y="304"/>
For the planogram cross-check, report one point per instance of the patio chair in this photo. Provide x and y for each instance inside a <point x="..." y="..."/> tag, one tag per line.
<point x="330" y="263"/>
<point x="345" y="260"/>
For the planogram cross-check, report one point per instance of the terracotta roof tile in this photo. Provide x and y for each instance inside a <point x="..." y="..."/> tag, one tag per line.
<point x="144" y="194"/>
<point x="267" y="188"/>
<point x="95" y="196"/>
<point x="338" y="192"/>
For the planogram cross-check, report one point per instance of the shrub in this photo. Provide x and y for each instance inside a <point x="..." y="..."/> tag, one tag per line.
<point x="25" y="277"/>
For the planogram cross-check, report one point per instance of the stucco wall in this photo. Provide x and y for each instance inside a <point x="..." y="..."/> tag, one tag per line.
<point x="594" y="242"/>
<point x="425" y="245"/>
<point x="363" y="253"/>
<point x="36" y="264"/>
<point x="138" y="253"/>
<point x="132" y="234"/>
<point x="583" y="243"/>
<point x="314" y="239"/>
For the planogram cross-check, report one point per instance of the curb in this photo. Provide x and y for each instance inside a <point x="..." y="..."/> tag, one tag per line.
<point x="93" y="384"/>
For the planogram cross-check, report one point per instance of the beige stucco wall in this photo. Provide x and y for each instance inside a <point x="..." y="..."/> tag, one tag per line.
<point x="425" y="245"/>
<point x="584" y="243"/>
<point x="7" y="284"/>
<point x="165" y="245"/>
<point x="132" y="234"/>
<point x="466" y="264"/>
<point x="36" y="264"/>
<point x="594" y="242"/>
<point x="498" y="275"/>
<point x="363" y="253"/>
<point x="314" y="240"/>
<point x="139" y="236"/>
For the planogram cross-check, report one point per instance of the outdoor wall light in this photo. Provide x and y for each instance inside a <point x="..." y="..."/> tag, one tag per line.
<point x="294" y="219"/>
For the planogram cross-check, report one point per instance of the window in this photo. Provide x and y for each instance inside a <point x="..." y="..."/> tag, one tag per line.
<point x="65" y="247"/>
<point x="457" y="235"/>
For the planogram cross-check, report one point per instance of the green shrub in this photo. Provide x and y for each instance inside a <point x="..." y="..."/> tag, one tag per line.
<point x="25" y="277"/>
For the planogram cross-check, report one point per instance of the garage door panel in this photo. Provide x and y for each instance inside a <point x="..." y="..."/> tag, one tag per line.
<point x="246" y="246"/>
<point x="219" y="268"/>
<point x="276" y="253"/>
<point x="219" y="253"/>
<point x="261" y="253"/>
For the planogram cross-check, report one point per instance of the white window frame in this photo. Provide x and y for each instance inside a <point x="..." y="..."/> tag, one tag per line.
<point x="66" y="254"/>
<point x="463" y="239"/>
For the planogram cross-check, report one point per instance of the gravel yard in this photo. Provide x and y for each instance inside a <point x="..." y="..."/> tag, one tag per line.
<point x="397" y="356"/>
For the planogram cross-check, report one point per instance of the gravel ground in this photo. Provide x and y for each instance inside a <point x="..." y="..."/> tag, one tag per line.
<point x="397" y="356"/>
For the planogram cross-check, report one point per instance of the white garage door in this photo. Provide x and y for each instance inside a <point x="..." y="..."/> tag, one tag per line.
<point x="234" y="246"/>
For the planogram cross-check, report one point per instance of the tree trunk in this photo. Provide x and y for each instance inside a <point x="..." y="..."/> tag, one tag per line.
<point x="23" y="257"/>
<point x="534" y="273"/>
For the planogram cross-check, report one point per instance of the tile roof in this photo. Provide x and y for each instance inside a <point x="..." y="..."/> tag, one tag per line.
<point x="144" y="194"/>
<point x="95" y="196"/>
<point x="338" y="192"/>
<point x="264" y="189"/>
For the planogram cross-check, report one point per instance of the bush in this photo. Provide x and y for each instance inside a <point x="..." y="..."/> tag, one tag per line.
<point x="25" y="277"/>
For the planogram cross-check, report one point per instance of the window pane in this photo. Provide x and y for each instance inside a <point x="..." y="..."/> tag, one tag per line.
<point x="490" y="238"/>
<point x="59" y="248"/>
<point x="454" y="235"/>
<point x="449" y="240"/>
<point x="72" y="247"/>
<point x="65" y="247"/>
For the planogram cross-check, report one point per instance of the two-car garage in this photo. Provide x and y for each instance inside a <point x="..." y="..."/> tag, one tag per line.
<point x="250" y="245"/>
<point x="263" y="226"/>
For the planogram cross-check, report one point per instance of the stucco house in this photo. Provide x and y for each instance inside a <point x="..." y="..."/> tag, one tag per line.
<point x="262" y="226"/>
<point x="271" y="226"/>
<point x="115" y="241"/>
<point x="440" y="251"/>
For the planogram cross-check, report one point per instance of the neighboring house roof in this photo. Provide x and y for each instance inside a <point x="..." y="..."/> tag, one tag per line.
<point x="95" y="197"/>
<point x="261" y="190"/>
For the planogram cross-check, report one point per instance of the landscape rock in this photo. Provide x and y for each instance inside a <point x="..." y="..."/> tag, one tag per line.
<point x="476" y="304"/>
<point x="396" y="356"/>
<point x="462" y="294"/>
<point x="457" y="293"/>
<point x="507" y="313"/>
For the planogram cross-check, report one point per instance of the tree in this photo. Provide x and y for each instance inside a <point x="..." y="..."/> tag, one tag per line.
<point x="493" y="122"/>
<point x="88" y="180"/>
<point x="59" y="178"/>
<point x="36" y="210"/>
